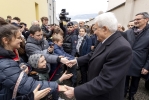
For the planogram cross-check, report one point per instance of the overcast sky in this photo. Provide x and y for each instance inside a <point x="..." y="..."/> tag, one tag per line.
<point x="76" y="7"/>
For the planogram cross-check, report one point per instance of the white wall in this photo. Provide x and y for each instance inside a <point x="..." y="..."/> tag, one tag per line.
<point x="140" y="6"/>
<point x="114" y="3"/>
<point x="119" y="13"/>
<point x="127" y="12"/>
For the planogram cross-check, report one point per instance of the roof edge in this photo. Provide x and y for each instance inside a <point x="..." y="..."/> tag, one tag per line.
<point x="116" y="7"/>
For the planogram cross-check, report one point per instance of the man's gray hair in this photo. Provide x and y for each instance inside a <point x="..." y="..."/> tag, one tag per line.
<point x="34" y="22"/>
<point x="107" y="19"/>
<point x="145" y="14"/>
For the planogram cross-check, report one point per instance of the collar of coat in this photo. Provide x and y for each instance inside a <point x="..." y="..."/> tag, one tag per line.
<point x="34" y="41"/>
<point x="146" y="27"/>
<point x="70" y="32"/>
<point x="9" y="54"/>
<point x="101" y="47"/>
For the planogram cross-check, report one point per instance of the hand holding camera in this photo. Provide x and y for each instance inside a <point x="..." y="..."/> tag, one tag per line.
<point x="63" y="16"/>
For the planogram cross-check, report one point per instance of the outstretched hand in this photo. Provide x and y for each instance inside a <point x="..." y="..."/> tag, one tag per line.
<point x="65" y="76"/>
<point x="40" y="94"/>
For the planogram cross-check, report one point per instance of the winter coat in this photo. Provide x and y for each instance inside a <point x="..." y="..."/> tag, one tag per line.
<point x="29" y="96"/>
<point x="140" y="48"/>
<point x="108" y="66"/>
<point x="85" y="47"/>
<point x="94" y="39"/>
<point x="9" y="73"/>
<point x="60" y="52"/>
<point x="39" y="47"/>
<point x="46" y="31"/>
<point x="70" y="42"/>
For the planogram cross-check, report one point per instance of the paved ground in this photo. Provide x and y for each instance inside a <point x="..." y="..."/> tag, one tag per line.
<point x="142" y="93"/>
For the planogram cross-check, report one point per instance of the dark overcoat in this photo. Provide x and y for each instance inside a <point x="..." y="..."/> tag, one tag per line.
<point x="140" y="49"/>
<point x="108" y="66"/>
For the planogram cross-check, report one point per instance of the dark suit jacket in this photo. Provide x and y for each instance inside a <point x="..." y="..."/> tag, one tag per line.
<point x="108" y="66"/>
<point x="140" y="49"/>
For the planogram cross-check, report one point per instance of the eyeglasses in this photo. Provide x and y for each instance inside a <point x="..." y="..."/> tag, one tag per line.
<point x="138" y="19"/>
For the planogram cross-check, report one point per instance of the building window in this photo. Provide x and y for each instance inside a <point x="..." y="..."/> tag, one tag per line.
<point x="36" y="11"/>
<point x="50" y="6"/>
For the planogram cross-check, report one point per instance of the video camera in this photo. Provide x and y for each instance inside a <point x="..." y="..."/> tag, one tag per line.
<point x="63" y="16"/>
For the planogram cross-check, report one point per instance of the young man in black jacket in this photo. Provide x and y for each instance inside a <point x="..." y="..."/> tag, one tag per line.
<point x="45" y="28"/>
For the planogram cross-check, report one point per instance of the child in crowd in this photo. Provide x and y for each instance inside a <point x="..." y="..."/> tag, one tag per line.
<point x="58" y="49"/>
<point x="40" y="70"/>
<point x="56" y="69"/>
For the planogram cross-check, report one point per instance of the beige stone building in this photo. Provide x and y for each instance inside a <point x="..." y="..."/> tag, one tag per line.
<point x="29" y="10"/>
<point x="125" y="10"/>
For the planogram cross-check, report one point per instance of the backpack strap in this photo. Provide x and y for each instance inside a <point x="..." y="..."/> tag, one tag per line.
<point x="17" y="85"/>
<point x="54" y="72"/>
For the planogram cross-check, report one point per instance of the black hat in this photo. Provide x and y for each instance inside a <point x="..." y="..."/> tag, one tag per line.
<point x="70" y="24"/>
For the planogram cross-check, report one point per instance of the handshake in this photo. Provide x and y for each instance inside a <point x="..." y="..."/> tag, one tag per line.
<point x="38" y="94"/>
<point x="67" y="62"/>
<point x="68" y="91"/>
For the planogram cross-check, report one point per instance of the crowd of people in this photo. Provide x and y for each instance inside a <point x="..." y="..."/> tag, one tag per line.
<point x="34" y="62"/>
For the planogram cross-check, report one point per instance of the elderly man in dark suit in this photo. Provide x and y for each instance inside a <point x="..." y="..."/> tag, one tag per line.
<point x="138" y="37"/>
<point x="108" y="64"/>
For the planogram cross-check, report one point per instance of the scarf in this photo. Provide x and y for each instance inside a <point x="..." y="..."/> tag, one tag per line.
<point x="80" y="39"/>
<point x="41" y="70"/>
<point x="137" y="31"/>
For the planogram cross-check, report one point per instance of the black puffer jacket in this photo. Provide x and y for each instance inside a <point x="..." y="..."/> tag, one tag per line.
<point x="70" y="42"/>
<point x="9" y="73"/>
